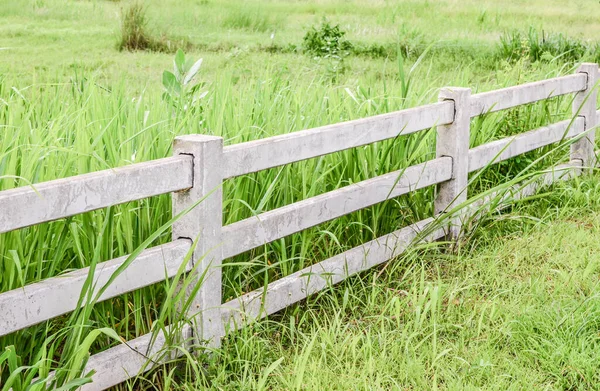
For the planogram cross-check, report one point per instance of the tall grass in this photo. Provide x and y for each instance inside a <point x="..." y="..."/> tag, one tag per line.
<point x="535" y="45"/>
<point x="57" y="130"/>
<point x="136" y="34"/>
<point x="134" y="25"/>
<point x="251" y="20"/>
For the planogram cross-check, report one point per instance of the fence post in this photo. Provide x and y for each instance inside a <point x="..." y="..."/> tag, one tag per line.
<point x="453" y="141"/>
<point x="584" y="105"/>
<point x="203" y="223"/>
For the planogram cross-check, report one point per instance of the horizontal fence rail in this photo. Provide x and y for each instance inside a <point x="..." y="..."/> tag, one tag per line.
<point x="506" y="148"/>
<point x="298" y="286"/>
<point x="269" y="226"/>
<point x="66" y="197"/>
<point x="118" y="364"/>
<point x="506" y="98"/>
<point x="275" y="151"/>
<point x="558" y="173"/>
<point x="52" y="297"/>
<point x="202" y="164"/>
<point x="529" y="187"/>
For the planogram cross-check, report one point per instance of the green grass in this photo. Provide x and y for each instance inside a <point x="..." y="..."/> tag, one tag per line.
<point x="61" y="34"/>
<point x="252" y="20"/>
<point x="71" y="103"/>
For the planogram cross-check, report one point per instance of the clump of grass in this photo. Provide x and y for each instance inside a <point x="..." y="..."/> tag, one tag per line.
<point x="541" y="46"/>
<point x="328" y="41"/>
<point x="482" y="17"/>
<point x="375" y="50"/>
<point x="250" y="20"/>
<point x="135" y="35"/>
<point x="275" y="48"/>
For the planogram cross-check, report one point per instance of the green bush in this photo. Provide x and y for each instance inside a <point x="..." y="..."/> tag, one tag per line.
<point x="326" y="41"/>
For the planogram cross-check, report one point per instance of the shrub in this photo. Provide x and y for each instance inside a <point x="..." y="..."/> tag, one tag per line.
<point x="375" y="50"/>
<point x="326" y="41"/>
<point x="534" y="46"/>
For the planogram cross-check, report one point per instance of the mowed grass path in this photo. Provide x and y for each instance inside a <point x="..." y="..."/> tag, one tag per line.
<point x="517" y="308"/>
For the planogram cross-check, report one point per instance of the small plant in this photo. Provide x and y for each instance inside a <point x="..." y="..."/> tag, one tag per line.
<point x="326" y="41"/>
<point x="180" y="90"/>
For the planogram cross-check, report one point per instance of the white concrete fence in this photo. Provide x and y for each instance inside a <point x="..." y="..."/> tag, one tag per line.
<point x="200" y="165"/>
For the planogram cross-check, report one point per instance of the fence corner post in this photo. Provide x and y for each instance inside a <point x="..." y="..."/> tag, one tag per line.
<point x="203" y="224"/>
<point x="584" y="106"/>
<point x="453" y="141"/>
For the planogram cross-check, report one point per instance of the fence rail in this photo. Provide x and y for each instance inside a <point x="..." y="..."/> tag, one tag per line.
<point x="489" y="102"/>
<point x="297" y="286"/>
<point x="278" y="223"/>
<point x="201" y="164"/>
<point x="52" y="297"/>
<point x="66" y="197"/>
<point x="513" y="146"/>
<point x="275" y="151"/>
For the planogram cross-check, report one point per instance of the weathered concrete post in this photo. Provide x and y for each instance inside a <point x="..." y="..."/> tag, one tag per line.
<point x="584" y="105"/>
<point x="453" y="141"/>
<point x="203" y="224"/>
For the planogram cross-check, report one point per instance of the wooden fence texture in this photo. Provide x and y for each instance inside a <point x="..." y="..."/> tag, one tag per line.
<point x="200" y="165"/>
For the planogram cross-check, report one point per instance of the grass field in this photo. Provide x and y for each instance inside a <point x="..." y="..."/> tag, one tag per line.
<point x="511" y="309"/>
